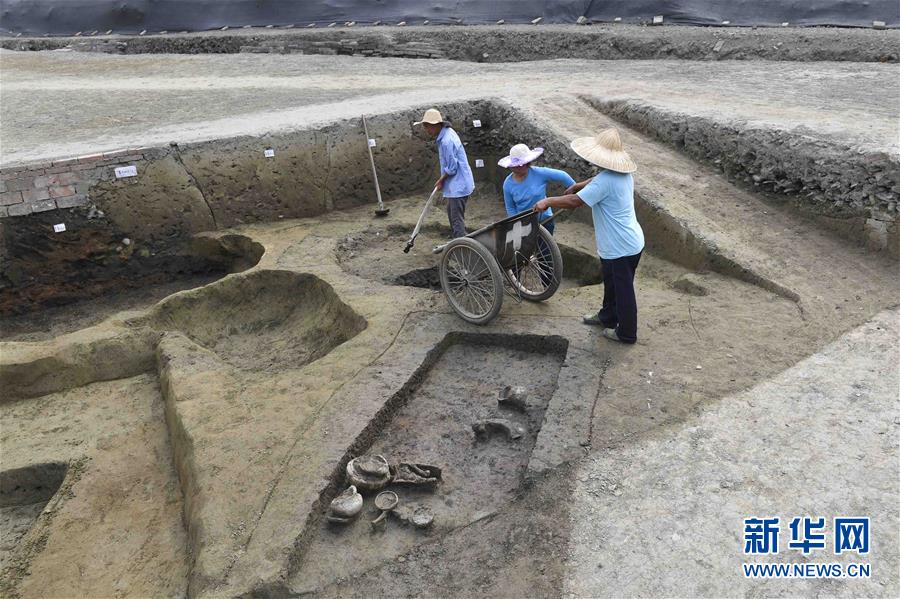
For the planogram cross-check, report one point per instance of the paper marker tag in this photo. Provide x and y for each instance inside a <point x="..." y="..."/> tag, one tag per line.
<point x="126" y="171"/>
<point x="476" y="123"/>
<point x="59" y="228"/>
<point x="479" y="163"/>
<point x="371" y="143"/>
<point x="269" y="153"/>
<point x="658" y="19"/>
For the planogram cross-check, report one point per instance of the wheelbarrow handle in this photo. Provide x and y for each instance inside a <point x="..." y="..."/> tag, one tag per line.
<point x="552" y="216"/>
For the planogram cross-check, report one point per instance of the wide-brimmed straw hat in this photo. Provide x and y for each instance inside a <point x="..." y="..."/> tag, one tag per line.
<point x="520" y="155"/>
<point x="605" y="150"/>
<point x="432" y="116"/>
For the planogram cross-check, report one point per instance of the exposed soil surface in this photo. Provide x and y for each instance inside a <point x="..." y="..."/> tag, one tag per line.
<point x="371" y="254"/>
<point x="435" y="427"/>
<point x="206" y="432"/>
<point x="128" y="101"/>
<point x="53" y="322"/>
<point x="114" y="528"/>
<point x="488" y="43"/>
<point x="266" y="321"/>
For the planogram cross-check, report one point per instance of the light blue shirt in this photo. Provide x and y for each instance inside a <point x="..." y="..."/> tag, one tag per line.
<point x="455" y="164"/>
<point x="522" y="195"/>
<point x="611" y="198"/>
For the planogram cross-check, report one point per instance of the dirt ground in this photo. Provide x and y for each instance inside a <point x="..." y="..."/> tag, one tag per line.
<point x="128" y="101"/>
<point x="207" y="428"/>
<point x="695" y="349"/>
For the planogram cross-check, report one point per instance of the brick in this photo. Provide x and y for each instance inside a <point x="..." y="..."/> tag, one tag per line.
<point x="89" y="158"/>
<point x="19" y="184"/>
<point x="116" y="153"/>
<point x="63" y="169"/>
<point x="56" y="179"/>
<point x="35" y="195"/>
<point x="62" y="191"/>
<point x="7" y="198"/>
<point x="43" y="206"/>
<point x="2" y="186"/>
<point x="3" y="212"/>
<point x="19" y="209"/>
<point x="72" y="201"/>
<point x="35" y="168"/>
<point x="12" y="172"/>
<point x="66" y="162"/>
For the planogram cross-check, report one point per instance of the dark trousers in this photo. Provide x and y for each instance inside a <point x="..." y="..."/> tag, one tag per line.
<point x="456" y="212"/>
<point x="619" y="304"/>
<point x="550" y="226"/>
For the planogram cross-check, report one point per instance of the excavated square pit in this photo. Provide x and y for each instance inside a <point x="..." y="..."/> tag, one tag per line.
<point x="24" y="493"/>
<point x="434" y="426"/>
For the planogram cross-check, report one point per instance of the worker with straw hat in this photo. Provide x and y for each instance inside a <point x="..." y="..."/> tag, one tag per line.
<point x="620" y="239"/>
<point x="456" y="179"/>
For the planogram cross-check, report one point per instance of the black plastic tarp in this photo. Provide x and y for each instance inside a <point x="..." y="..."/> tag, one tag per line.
<point x="66" y="17"/>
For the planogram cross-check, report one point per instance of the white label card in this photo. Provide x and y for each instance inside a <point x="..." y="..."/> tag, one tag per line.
<point x="658" y="19"/>
<point x="371" y="143"/>
<point x="476" y="123"/>
<point x="59" y="228"/>
<point x="269" y="153"/>
<point x="126" y="171"/>
<point x="479" y="163"/>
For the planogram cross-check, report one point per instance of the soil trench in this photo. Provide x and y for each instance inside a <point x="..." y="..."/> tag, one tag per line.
<point x="435" y="428"/>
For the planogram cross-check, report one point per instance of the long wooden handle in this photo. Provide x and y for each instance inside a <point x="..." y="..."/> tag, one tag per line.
<point x="372" y="162"/>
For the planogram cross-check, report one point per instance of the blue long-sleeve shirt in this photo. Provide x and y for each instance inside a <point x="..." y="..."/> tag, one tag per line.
<point x="455" y="164"/>
<point x="522" y="195"/>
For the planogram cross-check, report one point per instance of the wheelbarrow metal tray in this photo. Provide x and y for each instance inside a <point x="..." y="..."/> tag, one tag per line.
<point x="510" y="239"/>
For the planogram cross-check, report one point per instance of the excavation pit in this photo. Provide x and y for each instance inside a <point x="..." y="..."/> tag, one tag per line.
<point x="377" y="255"/>
<point x="432" y="424"/>
<point x="74" y="289"/>
<point x="266" y="321"/>
<point x="24" y="493"/>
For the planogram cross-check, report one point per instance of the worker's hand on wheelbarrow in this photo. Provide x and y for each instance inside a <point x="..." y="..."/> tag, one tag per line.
<point x="541" y="205"/>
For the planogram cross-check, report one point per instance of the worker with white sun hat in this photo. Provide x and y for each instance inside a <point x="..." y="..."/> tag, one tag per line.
<point x="620" y="239"/>
<point x="527" y="184"/>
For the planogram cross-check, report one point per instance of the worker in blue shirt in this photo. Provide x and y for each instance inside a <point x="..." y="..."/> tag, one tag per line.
<point x="456" y="181"/>
<point x="527" y="184"/>
<point x="619" y="237"/>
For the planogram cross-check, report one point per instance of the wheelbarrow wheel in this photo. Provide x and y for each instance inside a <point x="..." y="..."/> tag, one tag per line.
<point x="538" y="278"/>
<point x="471" y="280"/>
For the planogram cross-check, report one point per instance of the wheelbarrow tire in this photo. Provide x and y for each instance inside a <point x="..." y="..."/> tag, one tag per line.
<point x="471" y="280"/>
<point x="548" y="270"/>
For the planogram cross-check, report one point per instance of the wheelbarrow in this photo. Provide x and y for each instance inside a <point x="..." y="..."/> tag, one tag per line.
<point x="516" y="255"/>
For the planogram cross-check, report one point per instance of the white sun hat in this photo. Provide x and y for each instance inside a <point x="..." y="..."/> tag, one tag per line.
<point x="605" y="150"/>
<point x="520" y="155"/>
<point x="432" y="116"/>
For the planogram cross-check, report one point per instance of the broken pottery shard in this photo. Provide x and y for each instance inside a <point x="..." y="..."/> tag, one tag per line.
<point x="422" y="517"/>
<point x="347" y="505"/>
<point x="421" y="475"/>
<point x="369" y="473"/>
<point x="513" y="397"/>
<point x="419" y="516"/>
<point x="484" y="428"/>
